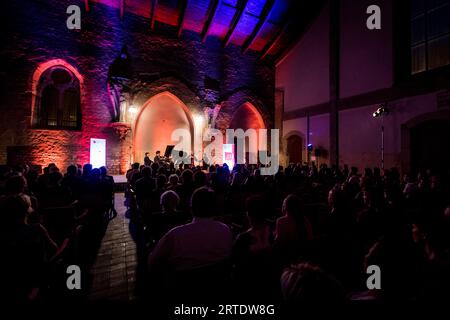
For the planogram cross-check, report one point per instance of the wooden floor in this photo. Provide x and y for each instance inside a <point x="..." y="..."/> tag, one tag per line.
<point x="114" y="272"/>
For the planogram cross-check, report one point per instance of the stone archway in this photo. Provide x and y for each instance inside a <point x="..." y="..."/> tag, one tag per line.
<point x="232" y="103"/>
<point x="248" y="117"/>
<point x="157" y="119"/>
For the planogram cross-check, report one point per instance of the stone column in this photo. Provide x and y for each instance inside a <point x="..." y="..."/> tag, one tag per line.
<point x="334" y="81"/>
<point x="122" y="129"/>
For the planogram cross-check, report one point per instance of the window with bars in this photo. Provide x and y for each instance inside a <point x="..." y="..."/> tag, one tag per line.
<point x="430" y="34"/>
<point x="58" y="100"/>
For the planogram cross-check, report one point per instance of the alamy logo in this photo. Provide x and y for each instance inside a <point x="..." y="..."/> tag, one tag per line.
<point x="74" y="279"/>
<point x="74" y="20"/>
<point x="374" y="280"/>
<point x="250" y="142"/>
<point x="374" y="20"/>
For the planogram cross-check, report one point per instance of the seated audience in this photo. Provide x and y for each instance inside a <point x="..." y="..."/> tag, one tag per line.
<point x="159" y="223"/>
<point x="254" y="268"/>
<point x="173" y="182"/>
<point x="293" y="229"/>
<point x="144" y="188"/>
<point x="134" y="169"/>
<point x="201" y="243"/>
<point x="72" y="182"/>
<point x="330" y="224"/>
<point x="15" y="186"/>
<point x="305" y="285"/>
<point x="55" y="194"/>
<point x="26" y="248"/>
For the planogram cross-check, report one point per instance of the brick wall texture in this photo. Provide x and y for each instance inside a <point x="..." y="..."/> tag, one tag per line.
<point x="34" y="31"/>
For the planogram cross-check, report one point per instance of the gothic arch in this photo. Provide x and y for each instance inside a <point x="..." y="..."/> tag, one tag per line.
<point x="155" y="122"/>
<point x="172" y="85"/>
<point x="36" y="91"/>
<point x="230" y="106"/>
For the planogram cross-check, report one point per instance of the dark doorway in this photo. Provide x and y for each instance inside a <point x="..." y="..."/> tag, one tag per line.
<point x="294" y="148"/>
<point x="430" y="145"/>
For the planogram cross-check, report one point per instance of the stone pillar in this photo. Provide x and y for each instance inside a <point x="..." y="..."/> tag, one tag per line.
<point x="279" y="109"/>
<point x="334" y="81"/>
<point x="122" y="129"/>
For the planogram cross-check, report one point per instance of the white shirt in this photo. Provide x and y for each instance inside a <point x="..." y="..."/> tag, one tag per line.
<point x="201" y="243"/>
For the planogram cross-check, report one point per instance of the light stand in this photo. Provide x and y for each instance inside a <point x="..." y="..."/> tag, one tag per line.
<point x="382" y="142"/>
<point x="382" y="111"/>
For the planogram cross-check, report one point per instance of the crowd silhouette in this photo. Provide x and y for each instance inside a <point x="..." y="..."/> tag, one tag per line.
<point x="205" y="233"/>
<point x="49" y="222"/>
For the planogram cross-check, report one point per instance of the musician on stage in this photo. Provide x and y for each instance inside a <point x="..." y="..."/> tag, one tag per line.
<point x="158" y="157"/>
<point x="147" y="161"/>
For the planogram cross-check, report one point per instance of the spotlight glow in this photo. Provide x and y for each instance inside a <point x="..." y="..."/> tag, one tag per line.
<point x="198" y="138"/>
<point x="132" y="110"/>
<point x="381" y="111"/>
<point x="198" y="121"/>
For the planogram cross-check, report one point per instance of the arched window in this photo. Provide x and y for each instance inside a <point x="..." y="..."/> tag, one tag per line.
<point x="57" y="99"/>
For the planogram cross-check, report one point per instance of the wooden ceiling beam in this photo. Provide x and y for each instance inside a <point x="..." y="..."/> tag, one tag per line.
<point x="122" y="8"/>
<point x="272" y="43"/>
<point x="181" y="17"/>
<point x="240" y="8"/>
<point x="154" y="4"/>
<point x="261" y="22"/>
<point x="209" y="19"/>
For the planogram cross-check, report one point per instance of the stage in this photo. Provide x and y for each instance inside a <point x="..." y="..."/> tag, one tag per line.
<point x="120" y="179"/>
<point x="120" y="182"/>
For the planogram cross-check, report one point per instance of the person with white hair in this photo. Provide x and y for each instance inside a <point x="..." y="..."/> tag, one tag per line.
<point x="200" y="243"/>
<point x="169" y="217"/>
<point x="169" y="202"/>
<point x="173" y="182"/>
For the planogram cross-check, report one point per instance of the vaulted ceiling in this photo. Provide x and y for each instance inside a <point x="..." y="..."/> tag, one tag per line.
<point x="268" y="27"/>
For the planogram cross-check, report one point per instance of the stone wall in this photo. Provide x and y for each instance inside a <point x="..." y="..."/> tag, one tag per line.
<point x="36" y="33"/>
